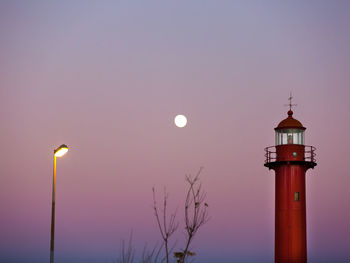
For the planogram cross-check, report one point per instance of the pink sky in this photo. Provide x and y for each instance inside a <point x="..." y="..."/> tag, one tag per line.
<point x="108" y="78"/>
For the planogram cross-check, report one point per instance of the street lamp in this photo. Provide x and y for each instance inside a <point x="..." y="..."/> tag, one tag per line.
<point x="59" y="152"/>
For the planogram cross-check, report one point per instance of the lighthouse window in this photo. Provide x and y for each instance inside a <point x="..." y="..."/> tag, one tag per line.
<point x="296" y="196"/>
<point x="289" y="136"/>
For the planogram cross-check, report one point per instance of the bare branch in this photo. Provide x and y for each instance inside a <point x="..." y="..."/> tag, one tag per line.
<point x="127" y="252"/>
<point x="166" y="227"/>
<point x="151" y="256"/>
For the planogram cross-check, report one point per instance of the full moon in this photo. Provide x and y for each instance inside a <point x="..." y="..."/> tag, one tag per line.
<point x="180" y="121"/>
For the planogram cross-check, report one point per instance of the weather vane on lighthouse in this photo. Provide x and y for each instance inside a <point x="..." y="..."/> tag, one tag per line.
<point x="290" y="102"/>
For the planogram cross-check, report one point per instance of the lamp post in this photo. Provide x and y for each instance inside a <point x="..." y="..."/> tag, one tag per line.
<point x="59" y="152"/>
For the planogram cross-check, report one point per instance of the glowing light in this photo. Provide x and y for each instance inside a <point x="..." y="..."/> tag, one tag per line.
<point x="60" y="151"/>
<point x="180" y="121"/>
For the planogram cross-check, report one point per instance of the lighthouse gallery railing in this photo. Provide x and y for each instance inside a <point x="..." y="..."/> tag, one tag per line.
<point x="271" y="155"/>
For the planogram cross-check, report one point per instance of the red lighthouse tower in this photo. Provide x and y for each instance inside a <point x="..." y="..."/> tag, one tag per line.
<point x="290" y="158"/>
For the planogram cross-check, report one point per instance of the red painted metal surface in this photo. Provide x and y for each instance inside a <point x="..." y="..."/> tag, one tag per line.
<point x="290" y="214"/>
<point x="290" y="163"/>
<point x="307" y="154"/>
<point x="290" y="122"/>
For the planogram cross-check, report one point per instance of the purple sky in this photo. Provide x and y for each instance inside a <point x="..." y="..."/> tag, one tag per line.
<point x="107" y="78"/>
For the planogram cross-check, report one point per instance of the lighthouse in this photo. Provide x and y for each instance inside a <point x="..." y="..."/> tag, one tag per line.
<point x="290" y="158"/>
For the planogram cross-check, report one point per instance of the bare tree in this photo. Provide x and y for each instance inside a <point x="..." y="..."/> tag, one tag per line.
<point x="166" y="227"/>
<point x="196" y="215"/>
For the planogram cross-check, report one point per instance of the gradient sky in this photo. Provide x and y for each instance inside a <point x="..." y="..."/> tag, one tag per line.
<point x="107" y="78"/>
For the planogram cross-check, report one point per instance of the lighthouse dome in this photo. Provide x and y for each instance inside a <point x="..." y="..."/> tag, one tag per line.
<point x="290" y="123"/>
<point x="290" y="131"/>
